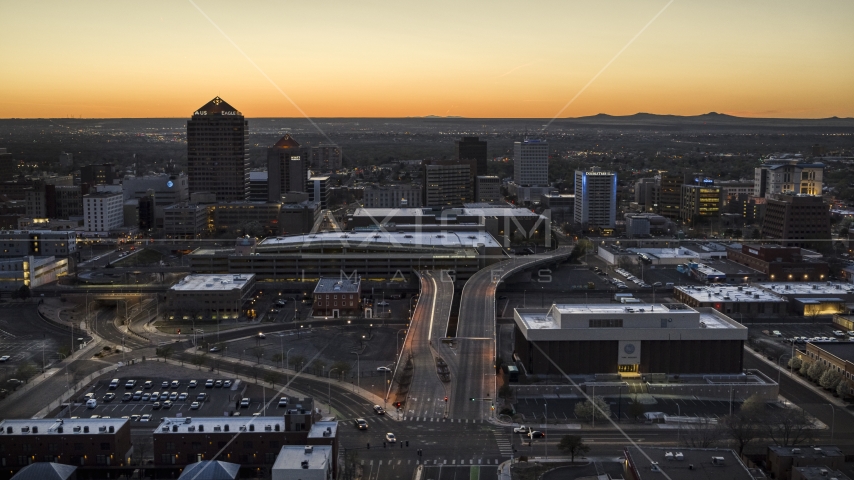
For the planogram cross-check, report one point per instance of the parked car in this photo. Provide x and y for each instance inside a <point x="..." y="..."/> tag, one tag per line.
<point x="244" y="403"/>
<point x="195" y="406"/>
<point x="127" y="396"/>
<point x="148" y="384"/>
<point x="109" y="397"/>
<point x="383" y="369"/>
<point x="283" y="402"/>
<point x="209" y="383"/>
<point x="192" y="384"/>
<point x="130" y="384"/>
<point x="202" y="397"/>
<point x="226" y="384"/>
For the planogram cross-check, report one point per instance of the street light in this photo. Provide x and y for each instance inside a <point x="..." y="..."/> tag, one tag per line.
<point x="779" y="368"/>
<point x="358" y="370"/>
<point x="329" y="385"/>
<point x="833" y="420"/>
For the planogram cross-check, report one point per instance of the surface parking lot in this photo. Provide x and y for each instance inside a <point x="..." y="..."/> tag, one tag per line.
<point x="789" y="331"/>
<point x="220" y="400"/>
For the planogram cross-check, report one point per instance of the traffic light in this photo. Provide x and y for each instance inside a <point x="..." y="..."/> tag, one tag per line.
<point x="446" y="399"/>
<point x="397" y="404"/>
<point x="179" y="331"/>
<point x="493" y="406"/>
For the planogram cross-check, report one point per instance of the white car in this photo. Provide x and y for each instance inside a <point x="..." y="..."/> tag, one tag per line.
<point x="776" y="333"/>
<point x="382" y="303"/>
<point x="839" y="333"/>
<point x="383" y="369"/>
<point x="245" y="402"/>
<point x="5" y="358"/>
<point x="283" y="402"/>
<point x="390" y="438"/>
<point x="195" y="406"/>
<point x="851" y="333"/>
<point x="91" y="403"/>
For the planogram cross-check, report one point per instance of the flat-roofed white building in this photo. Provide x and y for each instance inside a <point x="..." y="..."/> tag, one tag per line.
<point x="813" y="298"/>
<point x="209" y="296"/>
<point x="628" y="338"/>
<point x="304" y="462"/>
<point x="31" y="271"/>
<point x="749" y="301"/>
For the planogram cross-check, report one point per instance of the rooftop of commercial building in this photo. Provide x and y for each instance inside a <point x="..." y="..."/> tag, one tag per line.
<point x="206" y="425"/>
<point x="820" y="473"/>
<point x="820" y="451"/>
<point x="323" y="429"/>
<point x="198" y="282"/>
<point x="303" y="457"/>
<point x="727" y="267"/>
<point x="808" y="288"/>
<point x="841" y="350"/>
<point x="451" y="239"/>
<point x="338" y="285"/>
<point x="728" y="293"/>
<point x="687" y="463"/>
<point x="544" y="320"/>
<point x="52" y="426"/>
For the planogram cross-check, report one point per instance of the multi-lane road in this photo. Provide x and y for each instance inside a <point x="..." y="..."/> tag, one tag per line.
<point x="473" y="386"/>
<point x="426" y="398"/>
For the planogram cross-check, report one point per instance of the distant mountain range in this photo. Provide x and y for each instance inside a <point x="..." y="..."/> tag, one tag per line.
<point x="711" y="118"/>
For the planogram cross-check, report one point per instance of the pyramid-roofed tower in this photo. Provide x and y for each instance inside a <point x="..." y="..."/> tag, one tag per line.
<point x="217" y="106"/>
<point x="287" y="142"/>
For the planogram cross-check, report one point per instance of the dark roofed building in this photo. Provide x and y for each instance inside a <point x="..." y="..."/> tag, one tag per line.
<point x="781" y="460"/>
<point x="684" y="463"/>
<point x="781" y="264"/>
<point x="46" y="471"/>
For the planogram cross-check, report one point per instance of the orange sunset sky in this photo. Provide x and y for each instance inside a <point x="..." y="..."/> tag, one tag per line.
<point x="761" y="58"/>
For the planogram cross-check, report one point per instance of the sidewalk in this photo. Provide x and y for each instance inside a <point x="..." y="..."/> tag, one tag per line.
<point x="830" y="398"/>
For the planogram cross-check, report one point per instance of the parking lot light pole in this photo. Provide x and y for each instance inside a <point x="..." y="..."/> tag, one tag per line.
<point x="287" y="364"/>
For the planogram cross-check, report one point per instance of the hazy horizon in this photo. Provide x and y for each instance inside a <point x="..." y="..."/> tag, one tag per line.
<point x="478" y="59"/>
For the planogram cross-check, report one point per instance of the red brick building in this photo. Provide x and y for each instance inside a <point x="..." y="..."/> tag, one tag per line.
<point x="781" y="264"/>
<point x="335" y="297"/>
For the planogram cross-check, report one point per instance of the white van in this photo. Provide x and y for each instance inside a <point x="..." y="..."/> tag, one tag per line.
<point x="629" y="300"/>
<point x="91" y="403"/>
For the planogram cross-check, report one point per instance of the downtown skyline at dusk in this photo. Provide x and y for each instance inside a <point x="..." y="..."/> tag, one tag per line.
<point x="781" y="59"/>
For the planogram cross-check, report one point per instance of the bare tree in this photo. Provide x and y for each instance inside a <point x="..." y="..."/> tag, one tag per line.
<point x="789" y="427"/>
<point x="746" y="425"/>
<point x="143" y="446"/>
<point x="706" y="434"/>
<point x="257" y="352"/>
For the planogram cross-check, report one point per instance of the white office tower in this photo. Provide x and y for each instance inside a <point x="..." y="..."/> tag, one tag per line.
<point x="596" y="199"/>
<point x="103" y="211"/>
<point x="531" y="162"/>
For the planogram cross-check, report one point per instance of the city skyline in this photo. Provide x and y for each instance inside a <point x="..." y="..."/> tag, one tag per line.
<point x="478" y="60"/>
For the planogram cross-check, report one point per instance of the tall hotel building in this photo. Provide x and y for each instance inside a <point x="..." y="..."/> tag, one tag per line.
<point x="596" y="199"/>
<point x="531" y="162"/>
<point x="217" y="152"/>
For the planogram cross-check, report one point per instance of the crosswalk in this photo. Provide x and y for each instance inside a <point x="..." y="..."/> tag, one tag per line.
<point x="503" y="440"/>
<point x="440" y="419"/>
<point x="435" y="461"/>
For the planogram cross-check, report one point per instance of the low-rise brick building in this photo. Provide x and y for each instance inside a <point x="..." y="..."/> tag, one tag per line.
<point x="337" y="297"/>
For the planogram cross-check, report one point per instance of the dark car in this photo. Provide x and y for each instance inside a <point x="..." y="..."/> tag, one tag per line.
<point x="379" y="410"/>
<point x="109" y="397"/>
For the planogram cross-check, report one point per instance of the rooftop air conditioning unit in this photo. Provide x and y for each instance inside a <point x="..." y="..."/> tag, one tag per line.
<point x="304" y="464"/>
<point x="717" y="460"/>
<point x="679" y="456"/>
<point x="308" y="449"/>
<point x="668" y="456"/>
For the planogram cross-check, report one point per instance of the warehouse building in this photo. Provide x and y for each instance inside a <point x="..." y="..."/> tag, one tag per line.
<point x="732" y="299"/>
<point x="813" y="299"/>
<point x="631" y="340"/>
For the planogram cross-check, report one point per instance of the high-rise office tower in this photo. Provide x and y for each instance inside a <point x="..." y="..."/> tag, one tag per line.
<point x="797" y="220"/>
<point x="217" y="151"/>
<point x="103" y="174"/>
<point x="670" y="195"/>
<point x="531" y="162"/>
<point x="472" y="148"/>
<point x="326" y="157"/>
<point x="596" y="199"/>
<point x="447" y="183"/>
<point x="287" y="168"/>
